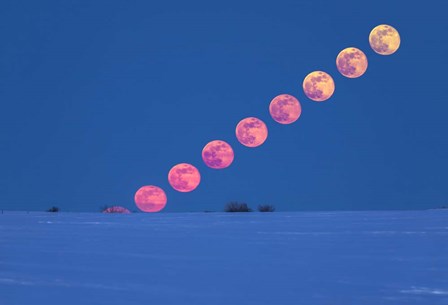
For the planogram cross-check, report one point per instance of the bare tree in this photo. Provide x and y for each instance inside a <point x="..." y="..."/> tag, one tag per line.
<point x="235" y="206"/>
<point x="266" y="208"/>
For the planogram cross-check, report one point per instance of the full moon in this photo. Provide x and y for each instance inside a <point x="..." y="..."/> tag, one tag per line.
<point x="184" y="177"/>
<point x="384" y="39"/>
<point x="318" y="86"/>
<point x="285" y="109"/>
<point x="218" y="154"/>
<point x="150" y="198"/>
<point x="251" y="132"/>
<point x="351" y="62"/>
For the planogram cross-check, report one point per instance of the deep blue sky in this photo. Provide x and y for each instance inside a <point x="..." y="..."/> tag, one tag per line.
<point x="101" y="97"/>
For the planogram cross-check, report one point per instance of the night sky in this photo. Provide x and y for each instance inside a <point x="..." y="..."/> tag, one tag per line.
<point x="99" y="98"/>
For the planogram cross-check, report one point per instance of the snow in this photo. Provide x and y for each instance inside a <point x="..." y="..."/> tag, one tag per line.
<point x="398" y="257"/>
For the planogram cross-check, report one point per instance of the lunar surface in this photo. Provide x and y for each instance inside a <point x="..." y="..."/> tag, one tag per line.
<point x="285" y="109"/>
<point x="218" y="154"/>
<point x="318" y="86"/>
<point x="184" y="177"/>
<point x="352" y="62"/>
<point x="384" y="39"/>
<point x="251" y="132"/>
<point x="150" y="198"/>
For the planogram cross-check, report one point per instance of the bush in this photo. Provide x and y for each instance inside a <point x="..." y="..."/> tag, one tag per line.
<point x="266" y="208"/>
<point x="115" y="210"/>
<point x="53" y="210"/>
<point x="237" y="207"/>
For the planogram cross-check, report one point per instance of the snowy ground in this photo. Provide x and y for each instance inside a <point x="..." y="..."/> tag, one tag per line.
<point x="341" y="258"/>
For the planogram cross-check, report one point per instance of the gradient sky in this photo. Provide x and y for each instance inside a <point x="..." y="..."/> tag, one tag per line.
<point x="101" y="97"/>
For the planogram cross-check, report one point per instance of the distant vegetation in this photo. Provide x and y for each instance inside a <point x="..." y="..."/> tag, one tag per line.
<point x="266" y="208"/>
<point x="53" y="210"/>
<point x="237" y="207"/>
<point x="115" y="210"/>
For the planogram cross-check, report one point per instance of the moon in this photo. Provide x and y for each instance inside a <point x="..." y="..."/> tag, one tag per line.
<point x="285" y="109"/>
<point x="184" y="177"/>
<point x="251" y="132"/>
<point x="318" y="86"/>
<point x="150" y="198"/>
<point x="218" y="154"/>
<point x="352" y="62"/>
<point x="384" y="39"/>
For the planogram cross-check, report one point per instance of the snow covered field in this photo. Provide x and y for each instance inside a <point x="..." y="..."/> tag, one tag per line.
<point x="338" y="258"/>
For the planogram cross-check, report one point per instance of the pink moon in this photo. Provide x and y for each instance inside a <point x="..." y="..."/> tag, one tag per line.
<point x="285" y="109"/>
<point x="184" y="177"/>
<point x="218" y="154"/>
<point x="251" y="132"/>
<point x="150" y="198"/>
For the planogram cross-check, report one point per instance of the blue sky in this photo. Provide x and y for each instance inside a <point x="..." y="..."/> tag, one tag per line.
<point x="99" y="98"/>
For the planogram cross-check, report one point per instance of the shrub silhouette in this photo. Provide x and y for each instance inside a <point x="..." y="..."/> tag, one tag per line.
<point x="53" y="210"/>
<point x="115" y="210"/>
<point x="266" y="208"/>
<point x="237" y="207"/>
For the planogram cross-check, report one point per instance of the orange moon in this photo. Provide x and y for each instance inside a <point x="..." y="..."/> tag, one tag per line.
<point x="318" y="86"/>
<point x="352" y="62"/>
<point x="285" y="109"/>
<point x="150" y="198"/>
<point x="384" y="39"/>
<point x="251" y="132"/>
<point x="184" y="177"/>
<point x="218" y="154"/>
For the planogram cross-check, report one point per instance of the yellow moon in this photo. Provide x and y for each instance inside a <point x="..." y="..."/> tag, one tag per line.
<point x="384" y="39"/>
<point x="352" y="62"/>
<point x="318" y="86"/>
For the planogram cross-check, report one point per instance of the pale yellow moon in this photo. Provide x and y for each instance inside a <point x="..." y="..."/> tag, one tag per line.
<point x="352" y="62"/>
<point x="384" y="39"/>
<point x="318" y="86"/>
<point x="251" y="132"/>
